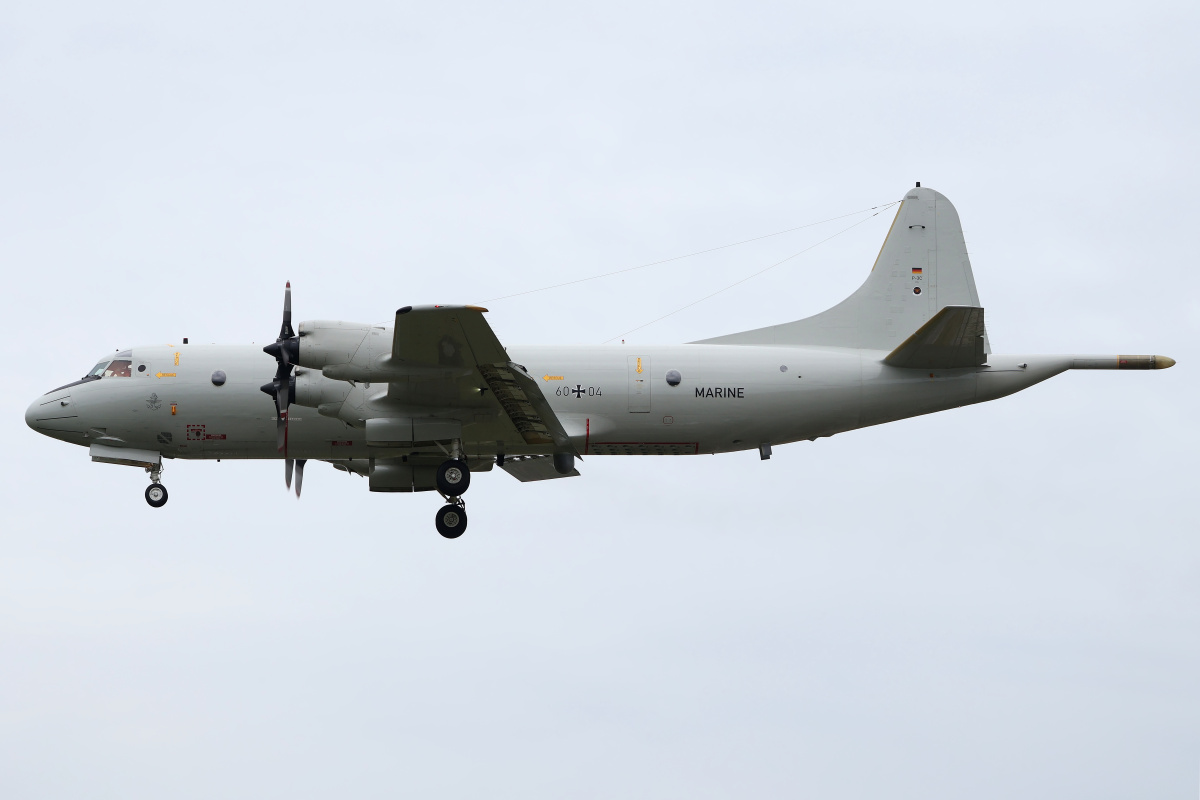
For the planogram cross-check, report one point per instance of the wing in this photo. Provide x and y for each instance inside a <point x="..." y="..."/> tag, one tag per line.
<point x="952" y="338"/>
<point x="448" y="359"/>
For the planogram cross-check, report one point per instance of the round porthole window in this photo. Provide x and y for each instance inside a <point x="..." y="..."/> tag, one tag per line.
<point x="141" y="367"/>
<point x="218" y="378"/>
<point x="673" y="377"/>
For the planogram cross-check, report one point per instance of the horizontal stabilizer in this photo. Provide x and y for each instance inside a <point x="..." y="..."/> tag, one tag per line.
<point x="952" y="338"/>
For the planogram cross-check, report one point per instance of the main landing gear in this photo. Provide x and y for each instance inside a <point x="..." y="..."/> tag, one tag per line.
<point x="453" y="479"/>
<point x="156" y="493"/>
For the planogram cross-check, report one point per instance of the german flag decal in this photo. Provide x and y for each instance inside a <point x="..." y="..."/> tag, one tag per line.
<point x="916" y="270"/>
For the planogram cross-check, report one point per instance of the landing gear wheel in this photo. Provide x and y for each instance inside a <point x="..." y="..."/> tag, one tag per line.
<point x="451" y="521"/>
<point x="156" y="495"/>
<point x="453" y="477"/>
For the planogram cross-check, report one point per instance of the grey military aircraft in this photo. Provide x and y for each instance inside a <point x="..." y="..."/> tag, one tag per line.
<point x="426" y="402"/>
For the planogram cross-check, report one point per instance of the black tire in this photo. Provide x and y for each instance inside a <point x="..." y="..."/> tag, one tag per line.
<point x="156" y="495"/>
<point x="451" y="521"/>
<point x="453" y="478"/>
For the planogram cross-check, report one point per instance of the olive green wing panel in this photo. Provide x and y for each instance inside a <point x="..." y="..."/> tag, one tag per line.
<point x="444" y="336"/>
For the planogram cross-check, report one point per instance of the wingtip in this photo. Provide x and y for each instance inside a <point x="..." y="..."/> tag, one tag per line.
<point x="477" y="308"/>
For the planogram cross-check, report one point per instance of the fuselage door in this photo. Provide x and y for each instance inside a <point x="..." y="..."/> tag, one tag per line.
<point x="639" y="384"/>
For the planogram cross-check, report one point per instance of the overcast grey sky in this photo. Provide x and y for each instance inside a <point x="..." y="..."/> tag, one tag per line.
<point x="992" y="602"/>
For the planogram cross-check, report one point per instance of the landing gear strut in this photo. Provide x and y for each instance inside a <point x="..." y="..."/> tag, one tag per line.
<point x="156" y="493"/>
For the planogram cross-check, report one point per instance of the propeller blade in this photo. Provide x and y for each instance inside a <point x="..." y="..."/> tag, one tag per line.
<point x="299" y="475"/>
<point x="285" y="331"/>
<point x="287" y="472"/>
<point x="281" y="431"/>
<point x="283" y="413"/>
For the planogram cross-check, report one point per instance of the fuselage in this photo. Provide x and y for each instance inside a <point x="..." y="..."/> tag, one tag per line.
<point x="655" y="400"/>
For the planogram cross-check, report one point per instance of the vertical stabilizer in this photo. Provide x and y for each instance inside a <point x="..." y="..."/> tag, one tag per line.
<point x="922" y="268"/>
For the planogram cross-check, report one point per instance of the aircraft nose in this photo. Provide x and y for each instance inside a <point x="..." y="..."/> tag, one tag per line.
<point x="55" y="411"/>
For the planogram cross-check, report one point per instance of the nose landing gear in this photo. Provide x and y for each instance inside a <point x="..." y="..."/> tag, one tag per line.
<point x="156" y="493"/>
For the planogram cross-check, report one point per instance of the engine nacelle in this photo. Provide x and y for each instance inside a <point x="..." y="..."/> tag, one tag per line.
<point x="351" y="351"/>
<point x="329" y="342"/>
<point x="314" y="390"/>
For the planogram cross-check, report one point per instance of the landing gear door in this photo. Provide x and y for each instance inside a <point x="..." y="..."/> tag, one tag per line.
<point x="639" y="384"/>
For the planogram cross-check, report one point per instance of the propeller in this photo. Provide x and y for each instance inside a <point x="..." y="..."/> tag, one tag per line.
<point x="286" y="350"/>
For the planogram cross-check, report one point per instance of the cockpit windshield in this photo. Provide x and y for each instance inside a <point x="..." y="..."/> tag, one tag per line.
<point x="113" y="368"/>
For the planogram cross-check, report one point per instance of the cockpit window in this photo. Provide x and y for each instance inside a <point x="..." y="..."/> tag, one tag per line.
<point x="120" y="368"/>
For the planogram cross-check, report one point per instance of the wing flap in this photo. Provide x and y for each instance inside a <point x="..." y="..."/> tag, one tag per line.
<point x="523" y="402"/>
<point x="534" y="468"/>
<point x="952" y="338"/>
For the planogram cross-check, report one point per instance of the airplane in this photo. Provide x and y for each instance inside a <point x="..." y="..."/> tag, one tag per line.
<point x="425" y="403"/>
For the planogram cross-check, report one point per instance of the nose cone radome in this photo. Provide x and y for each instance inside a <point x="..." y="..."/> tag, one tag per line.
<point x="56" y="414"/>
<point x="1163" y="362"/>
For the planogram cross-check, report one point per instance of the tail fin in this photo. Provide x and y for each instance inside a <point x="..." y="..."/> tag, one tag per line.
<point x="922" y="268"/>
